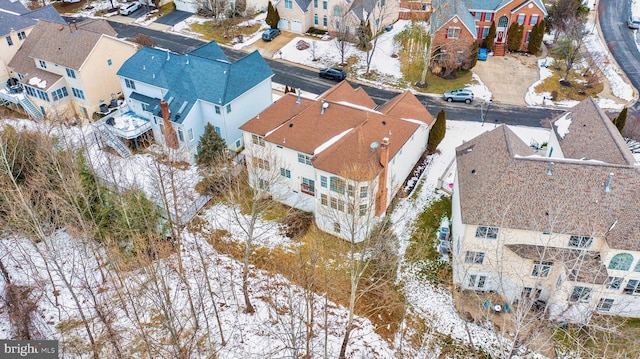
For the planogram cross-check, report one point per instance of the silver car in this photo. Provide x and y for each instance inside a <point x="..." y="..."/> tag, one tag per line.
<point x="460" y="95"/>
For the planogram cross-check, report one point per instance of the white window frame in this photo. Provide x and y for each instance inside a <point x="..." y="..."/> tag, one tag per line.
<point x="453" y="32"/>
<point x="487" y="232"/>
<point x="580" y="294"/>
<point x="541" y="269"/>
<point x="605" y="304"/>
<point x="472" y="257"/>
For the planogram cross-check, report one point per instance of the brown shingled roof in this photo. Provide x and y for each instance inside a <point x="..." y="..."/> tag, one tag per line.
<point x="592" y="135"/>
<point x="343" y="91"/>
<point x="502" y="184"/>
<point x="340" y="136"/>
<point x="406" y="105"/>
<point x="49" y="78"/>
<point x="56" y="43"/>
<point x="354" y="150"/>
<point x="583" y="266"/>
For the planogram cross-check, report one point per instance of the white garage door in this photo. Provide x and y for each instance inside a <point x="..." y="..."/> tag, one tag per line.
<point x="296" y="26"/>
<point x="283" y="24"/>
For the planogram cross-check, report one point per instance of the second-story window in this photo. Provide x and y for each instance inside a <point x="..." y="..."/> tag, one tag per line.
<point x="42" y="64"/>
<point x="288" y="4"/>
<point x="71" y="73"/>
<point x="304" y="158"/>
<point x="22" y="36"/>
<point x="257" y="140"/>
<point x="541" y="269"/>
<point x="487" y="232"/>
<point x="130" y="84"/>
<point x="580" y="241"/>
<point x="453" y="32"/>
<point x="9" y="41"/>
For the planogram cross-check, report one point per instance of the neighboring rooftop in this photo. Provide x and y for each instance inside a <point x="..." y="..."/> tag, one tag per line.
<point x="586" y="132"/>
<point x="340" y="126"/>
<point x="15" y="17"/>
<point x="65" y="45"/>
<point x="502" y="183"/>
<point x="203" y="74"/>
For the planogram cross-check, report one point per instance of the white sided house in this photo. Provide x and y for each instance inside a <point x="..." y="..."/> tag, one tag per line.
<point x="561" y="229"/>
<point x="339" y="155"/>
<point x="199" y="87"/>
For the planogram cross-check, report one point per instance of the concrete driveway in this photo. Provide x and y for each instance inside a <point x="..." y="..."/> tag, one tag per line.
<point x="508" y="77"/>
<point x="268" y="48"/>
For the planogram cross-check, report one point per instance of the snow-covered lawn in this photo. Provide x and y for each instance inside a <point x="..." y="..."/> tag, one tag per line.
<point x="249" y="336"/>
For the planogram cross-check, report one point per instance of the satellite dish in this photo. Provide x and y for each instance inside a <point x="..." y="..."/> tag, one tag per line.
<point x="374" y="145"/>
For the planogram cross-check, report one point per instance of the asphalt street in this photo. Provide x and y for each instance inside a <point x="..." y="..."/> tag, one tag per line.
<point x="308" y="81"/>
<point x="620" y="39"/>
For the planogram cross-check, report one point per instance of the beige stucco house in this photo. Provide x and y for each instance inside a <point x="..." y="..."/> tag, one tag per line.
<point x="559" y="228"/>
<point x="68" y="71"/>
<point x="336" y="15"/>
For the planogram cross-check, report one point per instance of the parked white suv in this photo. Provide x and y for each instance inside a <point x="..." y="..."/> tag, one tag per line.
<point x="128" y="8"/>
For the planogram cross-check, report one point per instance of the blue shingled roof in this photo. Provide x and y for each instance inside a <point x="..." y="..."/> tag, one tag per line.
<point x="492" y="5"/>
<point x="19" y="20"/>
<point x="13" y="6"/>
<point x="190" y="77"/>
<point x="210" y="51"/>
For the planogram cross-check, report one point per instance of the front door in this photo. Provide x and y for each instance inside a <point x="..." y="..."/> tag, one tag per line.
<point x="501" y="29"/>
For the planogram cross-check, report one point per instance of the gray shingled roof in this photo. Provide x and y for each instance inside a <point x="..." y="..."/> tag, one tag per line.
<point x="582" y="266"/>
<point x="362" y="7"/>
<point x="592" y="135"/>
<point x="501" y="183"/>
<point x="13" y="6"/>
<point x="19" y="20"/>
<point x="59" y="44"/>
<point x="443" y="14"/>
<point x="304" y="4"/>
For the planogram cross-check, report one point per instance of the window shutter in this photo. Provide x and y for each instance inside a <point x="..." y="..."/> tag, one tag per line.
<point x="446" y="34"/>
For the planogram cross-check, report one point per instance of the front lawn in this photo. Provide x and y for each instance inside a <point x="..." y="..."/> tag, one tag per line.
<point x="223" y="31"/>
<point x="583" y="84"/>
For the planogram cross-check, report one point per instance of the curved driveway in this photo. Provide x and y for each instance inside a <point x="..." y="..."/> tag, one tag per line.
<point x="620" y="39"/>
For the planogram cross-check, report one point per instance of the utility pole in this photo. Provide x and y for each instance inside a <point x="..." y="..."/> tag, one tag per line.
<point x="484" y="109"/>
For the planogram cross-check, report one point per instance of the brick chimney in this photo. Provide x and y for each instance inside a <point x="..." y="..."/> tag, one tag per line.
<point x="170" y="136"/>
<point x="381" y="195"/>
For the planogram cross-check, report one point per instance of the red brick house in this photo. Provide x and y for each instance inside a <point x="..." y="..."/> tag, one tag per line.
<point x="456" y="22"/>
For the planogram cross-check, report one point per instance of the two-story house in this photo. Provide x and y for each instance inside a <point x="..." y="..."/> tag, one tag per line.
<point x="16" y="22"/>
<point x="457" y="21"/>
<point x="199" y="87"/>
<point x="560" y="228"/>
<point x="68" y="71"/>
<point x="336" y="15"/>
<point x="339" y="155"/>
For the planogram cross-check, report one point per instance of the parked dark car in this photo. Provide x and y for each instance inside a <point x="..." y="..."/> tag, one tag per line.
<point x="462" y="95"/>
<point x="333" y="73"/>
<point x="270" y="34"/>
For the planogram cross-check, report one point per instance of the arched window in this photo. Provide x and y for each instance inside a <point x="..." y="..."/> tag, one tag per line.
<point x="503" y="21"/>
<point x="621" y="261"/>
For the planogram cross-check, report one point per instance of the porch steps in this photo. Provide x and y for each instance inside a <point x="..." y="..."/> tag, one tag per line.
<point x="113" y="141"/>
<point x="23" y="100"/>
<point x="499" y="50"/>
